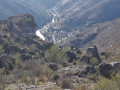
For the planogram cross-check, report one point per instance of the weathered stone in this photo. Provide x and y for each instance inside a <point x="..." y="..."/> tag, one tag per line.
<point x="71" y="56"/>
<point x="1" y="41"/>
<point x="31" y="53"/>
<point x="29" y="41"/>
<point x="19" y="24"/>
<point x="79" y="52"/>
<point x="73" y="48"/>
<point x="115" y="67"/>
<point x="26" y="57"/>
<point x="4" y="36"/>
<point x="93" y="52"/>
<point x="85" y="59"/>
<point x="106" y="69"/>
<point x="23" y="50"/>
<point x="10" y="48"/>
<point x="17" y="40"/>
<point x="53" y="66"/>
<point x="6" y="61"/>
<point x="64" y="64"/>
<point x="60" y="48"/>
<point x="57" y="77"/>
<point x="102" y="53"/>
<point x="86" y="70"/>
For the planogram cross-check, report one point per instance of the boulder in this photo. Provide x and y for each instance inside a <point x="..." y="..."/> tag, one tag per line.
<point x="107" y="69"/>
<point x="6" y="61"/>
<point x="85" y="70"/>
<point x="115" y="66"/>
<point x="73" y="48"/>
<point x="93" y="52"/>
<point x="79" y="52"/>
<point x="64" y="64"/>
<point x="53" y="66"/>
<point x="10" y="48"/>
<point x="56" y="77"/>
<point x="102" y="53"/>
<point x="17" y="40"/>
<point x="26" y="57"/>
<point x="71" y="56"/>
<point x="89" y="69"/>
<point x="31" y="53"/>
<point x="28" y="40"/>
<point x="85" y="59"/>
<point x="23" y="51"/>
<point x="4" y="36"/>
<point x="1" y="41"/>
<point x="60" y="48"/>
<point x="19" y="24"/>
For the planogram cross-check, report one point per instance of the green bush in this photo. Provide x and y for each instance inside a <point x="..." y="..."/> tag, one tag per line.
<point x="1" y="49"/>
<point x="53" y="54"/>
<point x="66" y="83"/>
<point x="109" y="84"/>
<point x="93" y="61"/>
<point x="62" y="56"/>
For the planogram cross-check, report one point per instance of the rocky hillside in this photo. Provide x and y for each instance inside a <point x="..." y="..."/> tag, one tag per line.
<point x="18" y="39"/>
<point x="27" y="62"/>
<point x="77" y="13"/>
<point x="104" y="35"/>
<point x="18" y="24"/>
<point x="107" y="36"/>
<point x="23" y="55"/>
<point x="15" y="7"/>
<point x="74" y="16"/>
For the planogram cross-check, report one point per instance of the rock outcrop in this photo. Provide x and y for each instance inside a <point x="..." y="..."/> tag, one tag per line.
<point x="6" y="61"/>
<point x="19" y="42"/>
<point x="85" y="71"/>
<point x="21" y="24"/>
<point x="26" y="57"/>
<point x="53" y="66"/>
<point x="93" y="52"/>
<point x="71" y="56"/>
<point x="108" y="69"/>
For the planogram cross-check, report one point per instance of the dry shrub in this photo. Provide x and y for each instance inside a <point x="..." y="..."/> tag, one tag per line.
<point x="41" y="70"/>
<point x="82" y="87"/>
<point x="109" y="84"/>
<point x="36" y="68"/>
<point x="2" y="82"/>
<point x="66" y="83"/>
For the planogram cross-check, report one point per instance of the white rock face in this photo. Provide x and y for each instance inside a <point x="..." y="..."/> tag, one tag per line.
<point x="40" y="35"/>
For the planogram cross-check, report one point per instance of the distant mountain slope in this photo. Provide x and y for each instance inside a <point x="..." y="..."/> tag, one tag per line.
<point x="87" y="12"/>
<point x="35" y="8"/>
<point x="106" y="36"/>
<point x="74" y="16"/>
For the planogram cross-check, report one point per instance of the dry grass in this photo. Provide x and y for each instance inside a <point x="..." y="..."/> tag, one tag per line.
<point x="66" y="83"/>
<point x="81" y="87"/>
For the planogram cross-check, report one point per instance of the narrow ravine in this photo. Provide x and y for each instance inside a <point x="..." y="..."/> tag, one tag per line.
<point x="47" y="26"/>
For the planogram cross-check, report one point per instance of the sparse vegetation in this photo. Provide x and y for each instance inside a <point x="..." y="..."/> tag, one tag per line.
<point x="66" y="83"/>
<point x="26" y="59"/>
<point x="109" y="84"/>
<point x="93" y="61"/>
<point x="1" y="49"/>
<point x="53" y="54"/>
